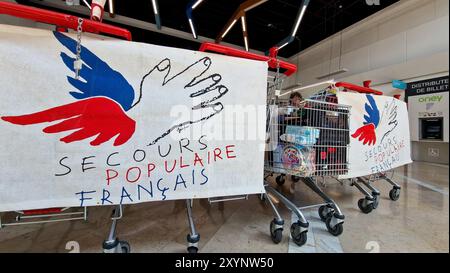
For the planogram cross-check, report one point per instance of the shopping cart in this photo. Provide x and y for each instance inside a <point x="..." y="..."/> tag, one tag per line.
<point x="365" y="184"/>
<point x="309" y="142"/>
<point x="312" y="109"/>
<point x="371" y="194"/>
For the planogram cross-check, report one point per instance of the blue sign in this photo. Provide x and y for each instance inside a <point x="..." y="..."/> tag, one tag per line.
<point x="399" y="84"/>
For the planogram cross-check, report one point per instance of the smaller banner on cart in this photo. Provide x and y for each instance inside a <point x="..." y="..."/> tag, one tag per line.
<point x="379" y="134"/>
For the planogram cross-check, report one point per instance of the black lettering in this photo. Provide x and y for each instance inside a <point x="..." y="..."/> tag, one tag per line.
<point x="107" y="160"/>
<point x="143" y="155"/>
<point x="84" y="163"/>
<point x="68" y="168"/>
<point x="202" y="143"/>
<point x="159" y="151"/>
<point x="184" y="146"/>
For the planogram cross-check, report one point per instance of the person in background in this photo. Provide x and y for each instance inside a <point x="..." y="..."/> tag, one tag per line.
<point x="295" y="99"/>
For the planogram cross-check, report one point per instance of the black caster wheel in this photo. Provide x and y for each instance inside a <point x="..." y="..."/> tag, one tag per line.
<point x="394" y="194"/>
<point x="192" y="249"/>
<point x="365" y="208"/>
<point x="276" y="234"/>
<point x="295" y="179"/>
<point x="125" y="247"/>
<point x="299" y="238"/>
<point x="280" y="180"/>
<point x="336" y="230"/>
<point x="324" y="212"/>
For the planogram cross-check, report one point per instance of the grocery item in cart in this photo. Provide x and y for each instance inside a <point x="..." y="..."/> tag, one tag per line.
<point x="295" y="159"/>
<point x="301" y="135"/>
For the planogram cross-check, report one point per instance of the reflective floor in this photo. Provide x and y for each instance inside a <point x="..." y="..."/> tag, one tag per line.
<point x="417" y="222"/>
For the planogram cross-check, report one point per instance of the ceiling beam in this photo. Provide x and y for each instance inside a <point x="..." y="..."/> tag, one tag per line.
<point x="237" y="15"/>
<point x="289" y="39"/>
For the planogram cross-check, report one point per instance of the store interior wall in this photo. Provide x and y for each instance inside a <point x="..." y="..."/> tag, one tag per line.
<point x="407" y="41"/>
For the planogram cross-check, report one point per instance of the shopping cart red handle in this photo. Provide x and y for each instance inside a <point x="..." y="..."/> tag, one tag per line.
<point x="42" y="211"/>
<point x="359" y="89"/>
<point x="217" y="48"/>
<point x="61" y="20"/>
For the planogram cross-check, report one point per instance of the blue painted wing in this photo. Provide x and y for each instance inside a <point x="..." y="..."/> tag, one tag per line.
<point x="373" y="114"/>
<point x="99" y="78"/>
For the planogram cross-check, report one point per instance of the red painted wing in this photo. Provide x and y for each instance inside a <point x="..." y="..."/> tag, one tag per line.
<point x="96" y="116"/>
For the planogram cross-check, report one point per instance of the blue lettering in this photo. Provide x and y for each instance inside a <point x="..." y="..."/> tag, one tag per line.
<point x="105" y="197"/>
<point x="182" y="182"/>
<point x="126" y="195"/>
<point x="163" y="190"/>
<point x="204" y="175"/>
<point x="82" y="198"/>
<point x="150" y="192"/>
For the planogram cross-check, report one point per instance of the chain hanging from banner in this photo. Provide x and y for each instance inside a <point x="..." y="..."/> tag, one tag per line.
<point x="78" y="63"/>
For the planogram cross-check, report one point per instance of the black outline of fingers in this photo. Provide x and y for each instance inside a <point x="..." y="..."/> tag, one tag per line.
<point x="215" y="79"/>
<point x="206" y="61"/>
<point x="208" y="101"/>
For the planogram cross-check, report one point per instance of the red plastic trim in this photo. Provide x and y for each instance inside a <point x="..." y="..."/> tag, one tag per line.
<point x="359" y="89"/>
<point x="61" y="19"/>
<point x="42" y="211"/>
<point x="272" y="61"/>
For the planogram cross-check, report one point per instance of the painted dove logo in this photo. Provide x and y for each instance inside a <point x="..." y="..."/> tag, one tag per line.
<point x="104" y="98"/>
<point x="366" y="133"/>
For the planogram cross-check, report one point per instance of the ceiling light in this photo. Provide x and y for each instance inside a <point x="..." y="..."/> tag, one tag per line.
<point x="283" y="45"/>
<point x="246" y="43"/>
<point x="87" y="4"/>
<point x="299" y="19"/>
<point x="192" y="28"/>
<point x="196" y="4"/>
<point x="155" y="9"/>
<point x="255" y="5"/>
<point x="229" y="27"/>
<point x="243" y="23"/>
<point x="111" y="6"/>
<point x="289" y="39"/>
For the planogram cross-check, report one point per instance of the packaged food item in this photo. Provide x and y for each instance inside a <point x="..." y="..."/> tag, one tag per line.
<point x="301" y="135"/>
<point x="294" y="159"/>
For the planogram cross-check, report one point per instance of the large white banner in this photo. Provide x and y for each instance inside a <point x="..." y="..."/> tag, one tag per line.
<point x="379" y="134"/>
<point x="141" y="123"/>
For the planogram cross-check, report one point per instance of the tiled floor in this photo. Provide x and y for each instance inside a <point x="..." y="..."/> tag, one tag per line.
<point x="417" y="222"/>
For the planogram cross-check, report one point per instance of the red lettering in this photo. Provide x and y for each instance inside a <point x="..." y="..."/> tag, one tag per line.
<point x="228" y="151"/>
<point x="217" y="154"/>
<point x="128" y="173"/>
<point x="150" y="168"/>
<point x="109" y="177"/>
<point x="174" y="163"/>
<point x="197" y="159"/>
<point x="181" y="163"/>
